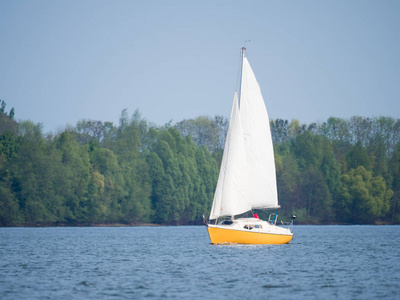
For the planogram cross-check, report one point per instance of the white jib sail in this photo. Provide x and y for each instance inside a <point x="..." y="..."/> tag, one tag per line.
<point x="231" y="195"/>
<point x="258" y="142"/>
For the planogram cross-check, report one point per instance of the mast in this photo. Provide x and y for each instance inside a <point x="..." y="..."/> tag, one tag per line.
<point x="241" y="74"/>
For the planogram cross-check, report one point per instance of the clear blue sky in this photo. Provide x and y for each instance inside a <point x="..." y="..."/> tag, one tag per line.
<point x="64" y="61"/>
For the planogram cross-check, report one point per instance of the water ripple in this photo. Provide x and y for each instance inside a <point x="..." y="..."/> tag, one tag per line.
<point x="329" y="262"/>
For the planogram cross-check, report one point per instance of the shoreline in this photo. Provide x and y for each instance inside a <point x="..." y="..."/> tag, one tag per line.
<point x="167" y="225"/>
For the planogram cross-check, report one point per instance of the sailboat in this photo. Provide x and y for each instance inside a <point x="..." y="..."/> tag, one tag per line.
<point x="247" y="178"/>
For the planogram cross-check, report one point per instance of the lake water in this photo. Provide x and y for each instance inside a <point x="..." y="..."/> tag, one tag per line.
<point x="322" y="262"/>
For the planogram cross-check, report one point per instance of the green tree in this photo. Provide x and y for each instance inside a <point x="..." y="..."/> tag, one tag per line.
<point x="162" y="188"/>
<point x="134" y="202"/>
<point x="358" y="156"/>
<point x="74" y="183"/>
<point x="315" y="196"/>
<point x="7" y="123"/>
<point x="33" y="176"/>
<point x="206" y="181"/>
<point x="205" y="131"/>
<point x="308" y="149"/>
<point x="394" y="169"/>
<point x="105" y="164"/>
<point x="9" y="207"/>
<point x="9" y="146"/>
<point x="288" y="177"/>
<point x="364" y="198"/>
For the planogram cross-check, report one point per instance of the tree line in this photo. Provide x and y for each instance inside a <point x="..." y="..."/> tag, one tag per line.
<point x="340" y="171"/>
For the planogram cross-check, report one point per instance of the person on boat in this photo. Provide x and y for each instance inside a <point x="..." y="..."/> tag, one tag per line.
<point x="256" y="216"/>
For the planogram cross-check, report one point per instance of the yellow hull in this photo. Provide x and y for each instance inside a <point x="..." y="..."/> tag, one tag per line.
<point x="222" y="236"/>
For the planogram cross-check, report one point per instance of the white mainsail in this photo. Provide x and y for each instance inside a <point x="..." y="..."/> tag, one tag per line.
<point x="247" y="176"/>
<point x="231" y="194"/>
